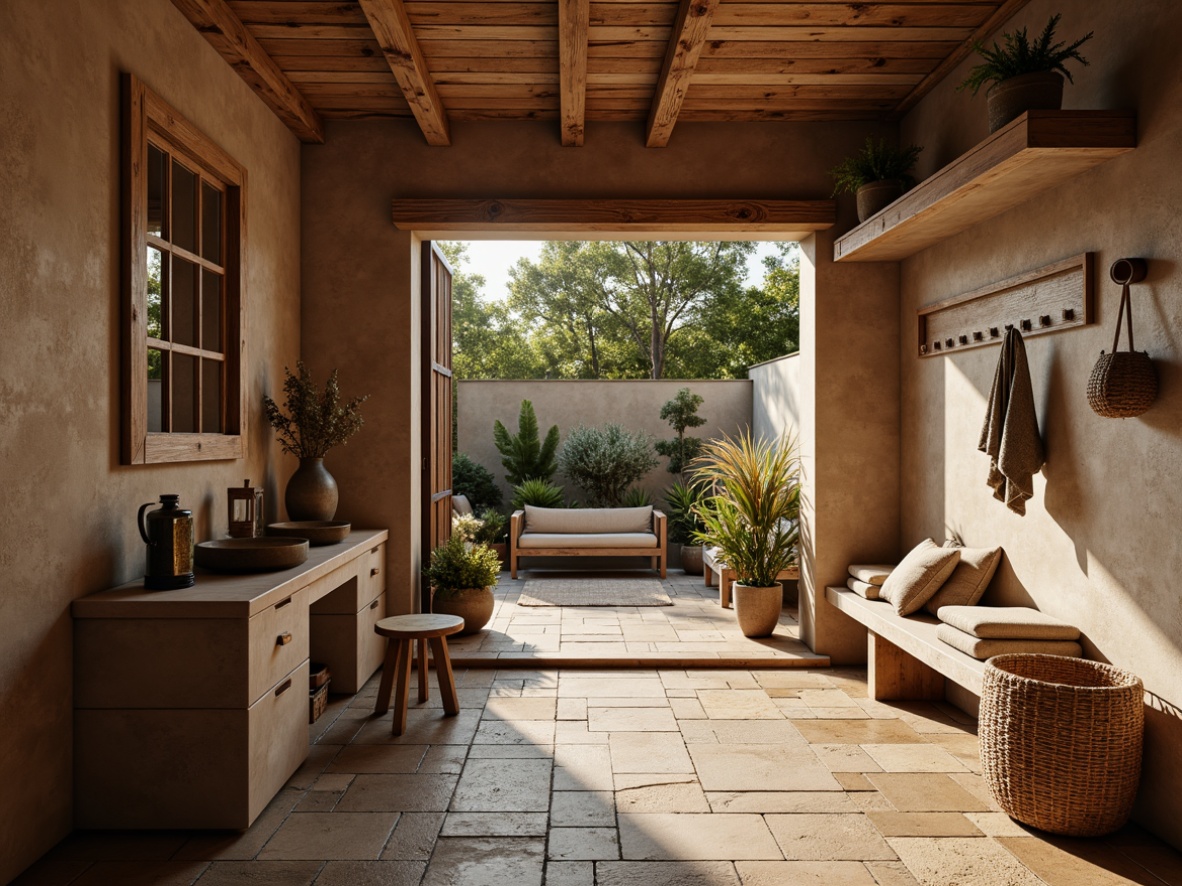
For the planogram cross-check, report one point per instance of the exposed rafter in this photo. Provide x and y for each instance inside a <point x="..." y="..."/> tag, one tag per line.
<point x="681" y="57"/>
<point x="226" y="33"/>
<point x="392" y="27"/>
<point x="574" y="27"/>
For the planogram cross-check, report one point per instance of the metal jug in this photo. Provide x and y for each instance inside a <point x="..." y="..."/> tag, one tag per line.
<point x="168" y="532"/>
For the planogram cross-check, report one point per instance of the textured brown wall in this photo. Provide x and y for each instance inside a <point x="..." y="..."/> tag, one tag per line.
<point x="1099" y="544"/>
<point x="67" y="527"/>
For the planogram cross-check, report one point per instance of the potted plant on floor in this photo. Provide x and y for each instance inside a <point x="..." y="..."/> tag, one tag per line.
<point x="685" y="525"/>
<point x="462" y="576"/>
<point x="877" y="175"/>
<point x="1024" y="76"/>
<point x="750" y="515"/>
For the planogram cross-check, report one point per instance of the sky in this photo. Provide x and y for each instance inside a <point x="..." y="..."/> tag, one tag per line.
<point x="492" y="259"/>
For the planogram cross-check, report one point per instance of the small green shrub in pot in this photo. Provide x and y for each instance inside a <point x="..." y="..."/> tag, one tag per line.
<point x="877" y="175"/>
<point x="474" y="481"/>
<point x="683" y="500"/>
<point x="492" y="527"/>
<point x="603" y="462"/>
<point x="537" y="493"/>
<point x="462" y="576"/>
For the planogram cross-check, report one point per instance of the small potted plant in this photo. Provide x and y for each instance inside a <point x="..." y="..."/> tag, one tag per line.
<point x="751" y="517"/>
<point x="1024" y="76"/>
<point x="462" y="576"/>
<point x="685" y="525"/>
<point x="877" y="175"/>
<point x="315" y="422"/>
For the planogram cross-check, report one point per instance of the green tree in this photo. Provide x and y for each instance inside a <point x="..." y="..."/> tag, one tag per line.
<point x="682" y="413"/>
<point x="523" y="455"/>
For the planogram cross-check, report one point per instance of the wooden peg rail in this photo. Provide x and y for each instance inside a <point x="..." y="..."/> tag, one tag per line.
<point x="1050" y="299"/>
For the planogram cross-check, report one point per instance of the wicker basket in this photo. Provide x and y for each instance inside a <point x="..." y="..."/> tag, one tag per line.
<point x="1061" y="741"/>
<point x="1123" y="384"/>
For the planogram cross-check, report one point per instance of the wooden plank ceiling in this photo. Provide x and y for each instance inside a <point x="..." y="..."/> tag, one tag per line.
<point x="657" y="62"/>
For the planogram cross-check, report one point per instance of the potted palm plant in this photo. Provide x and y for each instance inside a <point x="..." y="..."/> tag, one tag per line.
<point x="750" y="515"/>
<point x="877" y="175"/>
<point x="1024" y="76"/>
<point x="685" y="525"/>
<point x="462" y="576"/>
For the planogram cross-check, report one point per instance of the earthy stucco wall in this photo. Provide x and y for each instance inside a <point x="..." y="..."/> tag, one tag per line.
<point x="776" y="397"/>
<point x="636" y="405"/>
<point x="1099" y="543"/>
<point x="67" y="527"/>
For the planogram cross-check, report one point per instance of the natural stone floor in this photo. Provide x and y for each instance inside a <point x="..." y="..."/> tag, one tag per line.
<point x="639" y="777"/>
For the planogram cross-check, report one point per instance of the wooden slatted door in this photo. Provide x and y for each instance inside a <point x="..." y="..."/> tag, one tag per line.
<point x="437" y="403"/>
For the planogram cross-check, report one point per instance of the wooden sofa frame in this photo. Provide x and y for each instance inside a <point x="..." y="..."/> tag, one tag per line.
<point x="658" y="556"/>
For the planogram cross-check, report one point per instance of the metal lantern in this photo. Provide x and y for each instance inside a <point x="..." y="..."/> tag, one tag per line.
<point x="245" y="509"/>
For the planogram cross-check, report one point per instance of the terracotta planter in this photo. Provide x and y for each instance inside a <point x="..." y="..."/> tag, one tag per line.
<point x="474" y="606"/>
<point x="311" y="492"/>
<point x="758" y="609"/>
<point x="873" y="197"/>
<point x="691" y="559"/>
<point x="1009" y="99"/>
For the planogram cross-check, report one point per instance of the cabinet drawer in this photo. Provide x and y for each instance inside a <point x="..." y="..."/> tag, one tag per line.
<point x="278" y="642"/>
<point x="349" y="588"/>
<point x="170" y="769"/>
<point x="348" y="644"/>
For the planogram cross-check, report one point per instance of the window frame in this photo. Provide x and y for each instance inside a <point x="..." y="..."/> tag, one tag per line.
<point x="147" y="116"/>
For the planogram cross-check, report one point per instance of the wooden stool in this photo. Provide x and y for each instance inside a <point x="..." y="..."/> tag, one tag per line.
<point x="403" y="631"/>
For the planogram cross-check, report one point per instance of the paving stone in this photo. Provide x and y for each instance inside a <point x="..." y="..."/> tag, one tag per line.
<point x="827" y="698"/>
<point x="210" y="846"/>
<point x="414" y="836"/>
<point x="977" y="861"/>
<point x="809" y="837"/>
<point x="520" y="709"/>
<point x="503" y="786"/>
<point x="666" y="873"/>
<point x="925" y="792"/>
<point x="511" y="752"/>
<point x="572" y="709"/>
<point x="738" y="704"/>
<point x="687" y="709"/>
<point x="576" y="732"/>
<point x="891" y="873"/>
<point x="570" y="873"/>
<point x="913" y="758"/>
<point x="260" y="873"/>
<point x="371" y="873"/>
<point x="486" y="861"/>
<point x="625" y="780"/>
<point x="780" y="801"/>
<point x="330" y="835"/>
<point x="648" y="752"/>
<point x="1067" y="862"/>
<point x="422" y="727"/>
<point x="582" y="768"/>
<point x="444" y="759"/>
<point x="610" y="688"/>
<point x="583" y="844"/>
<point x="685" y="797"/>
<point x="378" y="758"/>
<point x="521" y="732"/>
<point x="923" y="824"/>
<point x="853" y="781"/>
<point x="585" y="809"/>
<point x="665" y="837"/>
<point x="739" y="767"/>
<point x="494" y="824"/>
<point x="804" y="873"/>
<point x="631" y="719"/>
<point x="847" y="757"/>
<point x="142" y="873"/>
<point x="398" y="793"/>
<point x="997" y="824"/>
<point x="857" y="732"/>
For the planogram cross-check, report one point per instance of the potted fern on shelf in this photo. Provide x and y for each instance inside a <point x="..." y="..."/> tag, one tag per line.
<point x="1022" y="75"/>
<point x="877" y="175"/>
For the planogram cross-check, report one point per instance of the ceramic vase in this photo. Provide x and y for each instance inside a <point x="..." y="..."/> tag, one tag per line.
<point x="873" y="197"/>
<point x="758" y="609"/>
<point x="311" y="492"/>
<point x="691" y="559"/>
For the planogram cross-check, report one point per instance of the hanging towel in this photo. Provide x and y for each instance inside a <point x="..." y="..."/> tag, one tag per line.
<point x="1010" y="434"/>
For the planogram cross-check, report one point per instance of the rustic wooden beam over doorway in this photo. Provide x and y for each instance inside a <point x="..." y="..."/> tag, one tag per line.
<point x="574" y="27"/>
<point x="681" y="57"/>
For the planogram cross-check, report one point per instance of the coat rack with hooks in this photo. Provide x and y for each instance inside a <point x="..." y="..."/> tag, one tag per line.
<point x="1049" y="299"/>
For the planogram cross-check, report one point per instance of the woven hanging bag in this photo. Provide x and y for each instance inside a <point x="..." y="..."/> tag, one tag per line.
<point x="1124" y="383"/>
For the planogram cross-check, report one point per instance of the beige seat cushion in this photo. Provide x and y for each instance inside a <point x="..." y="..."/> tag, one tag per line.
<point x="916" y="580"/>
<point x="982" y="649"/>
<point x="1007" y="623"/>
<point x="587" y="540"/>
<point x="968" y="581"/>
<point x="862" y="588"/>
<point x="461" y="505"/>
<point x="588" y="520"/>
<point x="873" y="575"/>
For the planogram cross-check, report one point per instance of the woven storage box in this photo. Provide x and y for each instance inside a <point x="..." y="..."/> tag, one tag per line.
<point x="1061" y="741"/>
<point x="317" y="702"/>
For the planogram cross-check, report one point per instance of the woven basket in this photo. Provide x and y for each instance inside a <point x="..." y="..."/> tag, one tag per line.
<point x="1061" y="741"/>
<point x="1123" y="384"/>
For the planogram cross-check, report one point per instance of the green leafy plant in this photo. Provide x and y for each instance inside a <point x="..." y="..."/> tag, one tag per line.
<point x="1020" y="56"/>
<point x="523" y="455"/>
<point x="458" y="565"/>
<point x="603" y="462"/>
<point x="878" y="161"/>
<point x="682" y="413"/>
<point x="475" y="482"/>
<point x="492" y="527"/>
<point x="636" y="498"/>
<point x="465" y="526"/>
<point x="684" y="500"/>
<point x="315" y="421"/>
<point x="752" y="505"/>
<point x="537" y="493"/>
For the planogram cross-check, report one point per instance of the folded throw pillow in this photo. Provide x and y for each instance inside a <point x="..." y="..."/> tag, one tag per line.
<point x="982" y="649"/>
<point x="1007" y="623"/>
<point x="862" y="588"/>
<point x="874" y="575"/>
<point x="968" y="581"/>
<point x="916" y="580"/>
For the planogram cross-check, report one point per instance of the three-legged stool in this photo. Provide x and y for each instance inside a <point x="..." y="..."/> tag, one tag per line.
<point x="403" y="631"/>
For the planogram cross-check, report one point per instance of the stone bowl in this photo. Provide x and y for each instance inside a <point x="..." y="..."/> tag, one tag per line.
<point x="251" y="554"/>
<point x="317" y="532"/>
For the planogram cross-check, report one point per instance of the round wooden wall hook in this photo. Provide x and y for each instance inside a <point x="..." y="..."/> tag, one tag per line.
<point x="1128" y="270"/>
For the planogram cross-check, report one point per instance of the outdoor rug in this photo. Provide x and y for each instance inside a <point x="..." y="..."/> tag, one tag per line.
<point x="594" y="592"/>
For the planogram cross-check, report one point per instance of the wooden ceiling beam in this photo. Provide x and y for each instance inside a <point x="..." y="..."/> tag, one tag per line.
<point x="218" y="24"/>
<point x="574" y="26"/>
<point x="391" y="26"/>
<point x="681" y="57"/>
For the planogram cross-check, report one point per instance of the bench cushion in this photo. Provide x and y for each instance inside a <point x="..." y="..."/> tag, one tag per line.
<point x="874" y="574"/>
<point x="588" y="520"/>
<point x="982" y="649"/>
<point x="1007" y="623"/>
<point x="916" y="580"/>
<point x="968" y="581"/>
<point x="863" y="588"/>
<point x="586" y="540"/>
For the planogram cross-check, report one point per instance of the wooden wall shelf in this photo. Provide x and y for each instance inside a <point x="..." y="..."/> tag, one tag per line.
<point x="1033" y="153"/>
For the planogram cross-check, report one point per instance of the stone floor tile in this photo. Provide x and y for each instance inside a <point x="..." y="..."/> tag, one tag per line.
<point x="847" y="757"/>
<point x="582" y="768"/>
<point x="520" y="709"/>
<point x="52" y="870"/>
<point x="826" y="698"/>
<point x="422" y="727"/>
<point x="738" y="704"/>
<point x="494" y="824"/>
<point x="511" y="752"/>
<point x="591" y="687"/>
<point x="997" y="824"/>
<point x="925" y="792"/>
<point x="777" y="732"/>
<point x="963" y="746"/>
<point x="414" y="836"/>
<point x="319" y="756"/>
<point x="687" y="709"/>
<point x="977" y="786"/>
<point x="665" y="873"/>
<point x="979" y="861"/>
<point x="583" y="844"/>
<point x="857" y="732"/>
<point x="142" y="873"/>
<point x="872" y="801"/>
<point x="335" y="782"/>
<point x="681" y="797"/>
<point x="648" y="752"/>
<point x="570" y="873"/>
<point x="804" y="873"/>
<point x="913" y="758"/>
<point x="443" y="759"/>
<point x="575" y="732"/>
<point x="260" y="873"/>
<point x="245" y="844"/>
<point x="627" y="780"/>
<point x="503" y="786"/>
<point x="582" y="809"/>
<point x="521" y="732"/>
<point x="825" y="837"/>
<point x="398" y="793"/>
<point x="1062" y="861"/>
<point x="486" y="861"/>
<point x="923" y="824"/>
<point x="839" y="713"/>
<point x="639" y="702"/>
<point x="664" y="837"/>
<point x="331" y="835"/>
<point x="891" y="873"/>
<point x="371" y="873"/>
<point x="630" y="719"/>
<point x="853" y="781"/>
<point x="572" y="709"/>
<point x="780" y="801"/>
<point x="753" y="767"/>
<point x="378" y="758"/>
<point x="319" y="801"/>
<point x="792" y="679"/>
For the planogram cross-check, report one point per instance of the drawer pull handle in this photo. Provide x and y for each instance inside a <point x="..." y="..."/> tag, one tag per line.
<point x="283" y="639"/>
<point x="373" y="572"/>
<point x="283" y="687"/>
<point x="373" y="605"/>
<point x="374" y="550"/>
<point x="282" y="603"/>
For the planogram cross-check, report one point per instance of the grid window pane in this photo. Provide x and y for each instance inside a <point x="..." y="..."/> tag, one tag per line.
<point x="211" y="397"/>
<point x="155" y="293"/>
<point x="211" y="310"/>
<point x="184" y="207"/>
<point x="183" y="304"/>
<point x="211" y="223"/>
<point x="184" y="394"/>
<point x="157" y="189"/>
